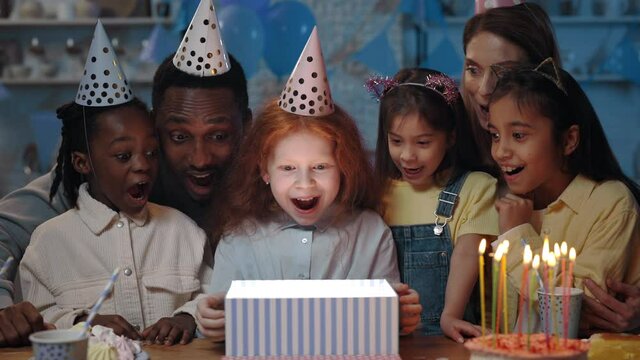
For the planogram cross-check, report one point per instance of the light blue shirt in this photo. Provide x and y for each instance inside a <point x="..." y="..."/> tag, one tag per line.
<point x="358" y="246"/>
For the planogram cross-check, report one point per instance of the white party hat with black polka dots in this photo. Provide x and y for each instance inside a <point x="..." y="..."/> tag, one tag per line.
<point x="201" y="52"/>
<point x="307" y="91"/>
<point x="103" y="82"/>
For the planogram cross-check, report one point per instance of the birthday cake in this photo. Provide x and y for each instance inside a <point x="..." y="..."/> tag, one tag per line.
<point x="104" y="344"/>
<point x="514" y="347"/>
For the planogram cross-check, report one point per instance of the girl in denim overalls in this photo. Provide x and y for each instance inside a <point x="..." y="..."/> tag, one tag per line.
<point x="432" y="202"/>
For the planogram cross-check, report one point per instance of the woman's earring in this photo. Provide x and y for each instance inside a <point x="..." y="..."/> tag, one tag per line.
<point x="266" y="182"/>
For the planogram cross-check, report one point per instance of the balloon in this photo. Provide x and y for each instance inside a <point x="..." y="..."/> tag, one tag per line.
<point x="243" y="36"/>
<point x="288" y="25"/>
<point x="255" y="5"/>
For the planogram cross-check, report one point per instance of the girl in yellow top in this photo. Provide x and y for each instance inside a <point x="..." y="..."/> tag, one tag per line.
<point x="438" y="211"/>
<point x="562" y="176"/>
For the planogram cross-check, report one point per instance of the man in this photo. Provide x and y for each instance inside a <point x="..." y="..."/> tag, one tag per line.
<point x="200" y="121"/>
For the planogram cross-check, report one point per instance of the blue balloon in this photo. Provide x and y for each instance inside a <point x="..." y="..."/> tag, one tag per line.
<point x="288" y="25"/>
<point x="243" y="36"/>
<point x="258" y="6"/>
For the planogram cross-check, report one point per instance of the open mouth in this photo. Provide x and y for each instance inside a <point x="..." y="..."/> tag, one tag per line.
<point x="139" y="191"/>
<point x="204" y="180"/>
<point x="512" y="170"/>
<point x="305" y="204"/>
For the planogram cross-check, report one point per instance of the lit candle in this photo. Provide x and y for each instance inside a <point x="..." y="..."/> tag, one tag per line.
<point x="494" y="312"/>
<point x="565" y="292"/>
<point x="545" y="256"/>
<point x="503" y="272"/>
<point x="572" y="261"/>
<point x="563" y="252"/>
<point x="481" y="249"/>
<point x="552" y="274"/>
<point x="534" y="273"/>
<point x="526" y="261"/>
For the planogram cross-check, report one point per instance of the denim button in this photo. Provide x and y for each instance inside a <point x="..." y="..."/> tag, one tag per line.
<point x="120" y="224"/>
<point x="128" y="272"/>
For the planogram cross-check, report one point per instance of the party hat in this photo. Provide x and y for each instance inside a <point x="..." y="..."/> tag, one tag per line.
<point x="307" y="92"/>
<point x="484" y="5"/>
<point x="103" y="82"/>
<point x="201" y="52"/>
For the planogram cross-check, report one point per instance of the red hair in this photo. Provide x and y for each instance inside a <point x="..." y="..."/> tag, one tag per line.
<point x="248" y="197"/>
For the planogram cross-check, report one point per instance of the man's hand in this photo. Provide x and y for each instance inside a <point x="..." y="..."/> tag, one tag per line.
<point x="170" y="330"/>
<point x="410" y="308"/>
<point x="18" y="321"/>
<point x="210" y="316"/>
<point x="119" y="325"/>
<point x="606" y="312"/>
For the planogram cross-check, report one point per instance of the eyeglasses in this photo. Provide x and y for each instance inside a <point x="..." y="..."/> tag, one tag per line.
<point x="547" y="69"/>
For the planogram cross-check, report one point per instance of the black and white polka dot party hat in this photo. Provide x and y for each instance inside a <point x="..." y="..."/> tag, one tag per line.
<point x="307" y="91"/>
<point x="201" y="52"/>
<point x="103" y="82"/>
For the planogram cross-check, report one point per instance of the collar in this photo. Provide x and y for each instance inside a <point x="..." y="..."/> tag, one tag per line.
<point x="286" y="222"/>
<point x="98" y="216"/>
<point x="578" y="191"/>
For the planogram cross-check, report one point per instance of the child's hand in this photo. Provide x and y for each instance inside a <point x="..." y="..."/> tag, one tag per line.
<point x="513" y="210"/>
<point x="457" y="329"/>
<point x="410" y="308"/>
<point x="170" y="330"/>
<point x="210" y="316"/>
<point x="119" y="325"/>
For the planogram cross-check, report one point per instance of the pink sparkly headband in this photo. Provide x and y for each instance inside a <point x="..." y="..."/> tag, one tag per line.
<point x="378" y="86"/>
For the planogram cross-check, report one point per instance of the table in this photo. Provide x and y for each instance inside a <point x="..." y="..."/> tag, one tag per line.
<point x="412" y="347"/>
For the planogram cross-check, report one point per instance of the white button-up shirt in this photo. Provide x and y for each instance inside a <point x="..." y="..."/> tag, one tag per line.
<point x="164" y="255"/>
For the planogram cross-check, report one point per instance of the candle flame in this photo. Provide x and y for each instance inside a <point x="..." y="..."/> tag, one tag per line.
<point x="498" y="255"/>
<point x="482" y="247"/>
<point x="563" y="248"/>
<point x="556" y="250"/>
<point x="536" y="262"/>
<point x="572" y="254"/>
<point x="545" y="249"/>
<point x="506" y="246"/>
<point x="551" y="260"/>
<point x="528" y="254"/>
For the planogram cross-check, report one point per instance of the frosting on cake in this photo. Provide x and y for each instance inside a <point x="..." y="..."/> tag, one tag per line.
<point x="514" y="346"/>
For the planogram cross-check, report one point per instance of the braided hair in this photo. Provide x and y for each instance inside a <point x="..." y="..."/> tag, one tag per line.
<point x="76" y="138"/>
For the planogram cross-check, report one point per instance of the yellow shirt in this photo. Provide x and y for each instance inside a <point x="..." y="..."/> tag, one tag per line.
<point x="474" y="213"/>
<point x="600" y="220"/>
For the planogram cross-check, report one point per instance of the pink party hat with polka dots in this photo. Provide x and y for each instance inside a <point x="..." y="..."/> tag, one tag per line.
<point x="307" y="91"/>
<point x="201" y="52"/>
<point x="484" y="5"/>
<point x="103" y="82"/>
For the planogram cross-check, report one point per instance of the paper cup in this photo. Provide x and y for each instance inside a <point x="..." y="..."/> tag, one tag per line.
<point x="545" y="309"/>
<point x="59" y="345"/>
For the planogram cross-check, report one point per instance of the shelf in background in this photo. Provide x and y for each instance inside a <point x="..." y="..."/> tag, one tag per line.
<point x="142" y="21"/>
<point x="57" y="82"/>
<point x="569" y="20"/>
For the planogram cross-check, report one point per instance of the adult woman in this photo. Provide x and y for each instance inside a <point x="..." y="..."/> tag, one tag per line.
<point x="503" y="35"/>
<point x="517" y="34"/>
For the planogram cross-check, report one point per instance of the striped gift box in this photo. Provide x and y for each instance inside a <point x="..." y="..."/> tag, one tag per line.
<point x="311" y="317"/>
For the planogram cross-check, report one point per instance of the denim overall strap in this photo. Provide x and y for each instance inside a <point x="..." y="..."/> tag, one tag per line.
<point x="424" y="260"/>
<point x="446" y="203"/>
